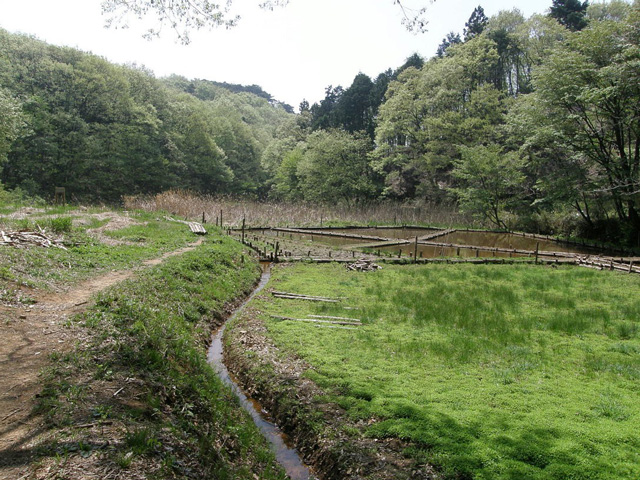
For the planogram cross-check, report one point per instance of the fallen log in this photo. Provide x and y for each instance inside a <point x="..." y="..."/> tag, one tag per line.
<point x="337" y="318"/>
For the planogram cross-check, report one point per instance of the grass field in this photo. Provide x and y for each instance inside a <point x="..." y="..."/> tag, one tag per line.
<point x="488" y="372"/>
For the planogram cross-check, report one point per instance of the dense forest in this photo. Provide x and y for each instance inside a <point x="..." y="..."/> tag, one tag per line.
<point x="529" y="123"/>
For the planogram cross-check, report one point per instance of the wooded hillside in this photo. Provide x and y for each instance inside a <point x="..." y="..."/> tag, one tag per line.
<point x="101" y="130"/>
<point x="529" y="123"/>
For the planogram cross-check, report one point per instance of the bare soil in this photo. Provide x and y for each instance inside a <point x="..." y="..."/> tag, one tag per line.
<point x="29" y="335"/>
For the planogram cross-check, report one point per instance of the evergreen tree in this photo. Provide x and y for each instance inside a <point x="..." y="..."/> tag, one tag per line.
<point x="570" y="13"/>
<point x="451" y="39"/>
<point x="476" y="23"/>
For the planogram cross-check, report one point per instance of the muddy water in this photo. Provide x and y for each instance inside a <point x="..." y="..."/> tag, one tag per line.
<point x="335" y="241"/>
<point x="317" y="238"/>
<point x="286" y="455"/>
<point x="406" y="233"/>
<point x="466" y="241"/>
<point x="507" y="240"/>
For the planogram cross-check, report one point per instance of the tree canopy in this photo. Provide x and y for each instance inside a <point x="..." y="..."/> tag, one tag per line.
<point x="526" y="123"/>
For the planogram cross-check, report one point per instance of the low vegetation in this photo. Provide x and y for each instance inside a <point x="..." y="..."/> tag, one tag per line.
<point x="135" y="396"/>
<point x="93" y="242"/>
<point x="484" y="371"/>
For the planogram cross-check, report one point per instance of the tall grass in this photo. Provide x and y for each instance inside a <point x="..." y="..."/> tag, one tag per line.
<point x="497" y="372"/>
<point x="262" y="214"/>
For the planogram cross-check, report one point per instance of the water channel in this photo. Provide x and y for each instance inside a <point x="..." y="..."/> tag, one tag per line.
<point x="286" y="455"/>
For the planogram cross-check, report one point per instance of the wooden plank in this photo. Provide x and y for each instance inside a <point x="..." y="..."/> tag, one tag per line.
<point x="337" y="318"/>
<point x="292" y="297"/>
<point x="315" y="320"/>
<point x="424" y="238"/>
<point x="197" y="228"/>
<point x="276" y="292"/>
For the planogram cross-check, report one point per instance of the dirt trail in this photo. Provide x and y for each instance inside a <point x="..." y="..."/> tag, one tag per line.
<point x="28" y="335"/>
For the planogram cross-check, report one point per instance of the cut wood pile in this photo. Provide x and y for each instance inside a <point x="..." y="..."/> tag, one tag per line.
<point x="25" y="239"/>
<point x="363" y="266"/>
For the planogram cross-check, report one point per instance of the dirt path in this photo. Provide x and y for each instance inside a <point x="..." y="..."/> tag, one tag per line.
<point x="28" y="336"/>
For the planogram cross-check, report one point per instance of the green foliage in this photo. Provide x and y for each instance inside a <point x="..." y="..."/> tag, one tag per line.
<point x="587" y="93"/>
<point x="489" y="182"/>
<point x="335" y="166"/>
<point x="61" y="224"/>
<point x="486" y="371"/>
<point x="103" y="131"/>
<point x="570" y="13"/>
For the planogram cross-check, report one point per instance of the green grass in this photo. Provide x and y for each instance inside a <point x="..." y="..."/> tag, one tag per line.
<point x="155" y="328"/>
<point x="489" y="372"/>
<point x="85" y="256"/>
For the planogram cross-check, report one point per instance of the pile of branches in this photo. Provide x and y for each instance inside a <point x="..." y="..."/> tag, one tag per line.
<point x="25" y="239"/>
<point x="363" y="265"/>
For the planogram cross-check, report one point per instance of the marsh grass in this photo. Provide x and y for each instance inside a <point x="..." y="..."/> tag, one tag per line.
<point x="494" y="372"/>
<point x="271" y="214"/>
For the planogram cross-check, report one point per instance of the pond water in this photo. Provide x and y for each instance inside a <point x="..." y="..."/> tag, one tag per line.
<point x="406" y="233"/>
<point x="466" y="242"/>
<point x="463" y="240"/>
<point x="339" y="237"/>
<point x="508" y="240"/>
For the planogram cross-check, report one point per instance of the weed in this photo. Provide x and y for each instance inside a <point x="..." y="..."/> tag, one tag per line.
<point x="142" y="441"/>
<point x="124" y="460"/>
<point x="60" y="224"/>
<point x="233" y="211"/>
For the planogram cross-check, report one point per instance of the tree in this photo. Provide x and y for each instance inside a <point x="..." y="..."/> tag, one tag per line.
<point x="451" y="39"/>
<point x="476" y="23"/>
<point x="354" y="111"/>
<point x="451" y="101"/>
<point x="286" y="181"/>
<point x="415" y="61"/>
<point x="335" y="168"/>
<point x="490" y="181"/>
<point x="570" y="13"/>
<point x="11" y="122"/>
<point x="589" y="89"/>
<point x="324" y="113"/>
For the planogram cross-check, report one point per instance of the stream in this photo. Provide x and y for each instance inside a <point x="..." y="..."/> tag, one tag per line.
<point x="286" y="455"/>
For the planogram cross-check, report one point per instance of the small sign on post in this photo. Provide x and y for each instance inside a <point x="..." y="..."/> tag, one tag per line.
<point x="60" y="198"/>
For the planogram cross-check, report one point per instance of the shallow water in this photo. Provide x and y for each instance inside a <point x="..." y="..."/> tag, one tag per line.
<point x="465" y="243"/>
<point x="286" y="455"/>
<point x="508" y="240"/>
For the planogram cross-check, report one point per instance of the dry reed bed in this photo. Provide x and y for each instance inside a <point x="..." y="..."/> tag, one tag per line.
<point x="262" y="214"/>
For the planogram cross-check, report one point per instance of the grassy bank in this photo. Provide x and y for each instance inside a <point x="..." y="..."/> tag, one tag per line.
<point x="147" y="336"/>
<point x="493" y="372"/>
<point x="134" y="397"/>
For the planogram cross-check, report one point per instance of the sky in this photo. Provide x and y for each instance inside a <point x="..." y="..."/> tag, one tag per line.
<point x="293" y="53"/>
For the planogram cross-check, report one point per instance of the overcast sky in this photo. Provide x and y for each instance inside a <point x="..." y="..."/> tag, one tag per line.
<point x="292" y="52"/>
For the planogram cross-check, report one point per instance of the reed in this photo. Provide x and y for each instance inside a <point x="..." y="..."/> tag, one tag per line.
<point x="262" y="214"/>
